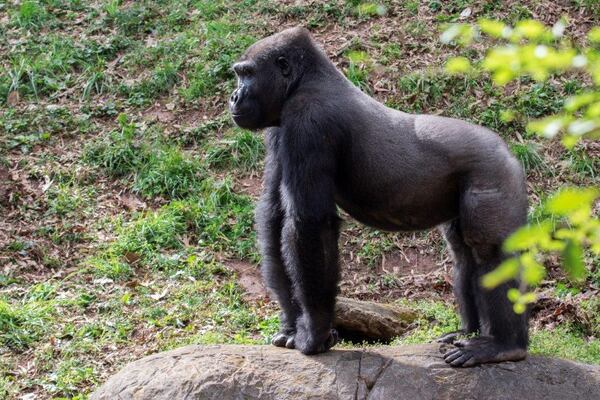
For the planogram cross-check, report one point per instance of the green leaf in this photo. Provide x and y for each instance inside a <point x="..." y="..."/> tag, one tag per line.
<point x="531" y="29"/>
<point x="503" y="76"/>
<point x="494" y="28"/>
<point x="461" y="33"/>
<point x="528" y="298"/>
<point x="569" y="141"/>
<point x="574" y="103"/>
<point x="519" y="308"/>
<point x="358" y="57"/>
<point x="513" y="295"/>
<point x="507" y="270"/>
<point x="573" y="260"/>
<point x="533" y="271"/>
<point x="527" y="237"/>
<point x="507" y="115"/>
<point x="548" y="127"/>
<point x="581" y="127"/>
<point x="458" y="65"/>
<point x="570" y="200"/>
<point x="594" y="34"/>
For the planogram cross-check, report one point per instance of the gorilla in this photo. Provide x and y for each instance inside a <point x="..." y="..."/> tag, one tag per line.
<point x="329" y="144"/>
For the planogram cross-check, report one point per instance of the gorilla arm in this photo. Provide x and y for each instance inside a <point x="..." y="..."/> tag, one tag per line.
<point x="310" y="232"/>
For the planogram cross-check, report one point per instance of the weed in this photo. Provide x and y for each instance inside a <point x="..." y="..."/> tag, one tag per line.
<point x="224" y="42"/>
<point x="65" y="199"/>
<point x="426" y="91"/>
<point x="218" y="219"/>
<point x="436" y="319"/>
<point x="161" y="81"/>
<point x="412" y="6"/>
<point x="239" y="149"/>
<point x="589" y="311"/>
<point x="391" y="52"/>
<point x="72" y="375"/>
<point x="24" y="130"/>
<point x="582" y="164"/>
<point x="528" y="154"/>
<point x="119" y="154"/>
<point x="358" y="70"/>
<point x="30" y="14"/>
<point x="170" y="173"/>
<point x="24" y="323"/>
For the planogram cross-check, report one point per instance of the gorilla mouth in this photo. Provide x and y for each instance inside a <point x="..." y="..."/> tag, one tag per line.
<point x="240" y="114"/>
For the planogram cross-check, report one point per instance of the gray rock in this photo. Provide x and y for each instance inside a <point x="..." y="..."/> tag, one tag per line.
<point x="409" y="372"/>
<point x="357" y="319"/>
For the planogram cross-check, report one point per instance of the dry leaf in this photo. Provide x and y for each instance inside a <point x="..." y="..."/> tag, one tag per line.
<point x="13" y="98"/>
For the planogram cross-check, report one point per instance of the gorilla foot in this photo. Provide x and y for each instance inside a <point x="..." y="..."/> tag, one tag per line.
<point x="283" y="339"/>
<point x="312" y="344"/>
<point x="481" y="350"/>
<point x="451" y="337"/>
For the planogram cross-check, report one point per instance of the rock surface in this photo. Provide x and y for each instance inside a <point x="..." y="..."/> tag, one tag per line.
<point x="367" y="320"/>
<point x="409" y="372"/>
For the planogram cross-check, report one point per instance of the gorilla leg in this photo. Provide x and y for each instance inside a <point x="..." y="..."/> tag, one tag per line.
<point x="269" y="221"/>
<point x="311" y="258"/>
<point x="487" y="218"/>
<point x="464" y="290"/>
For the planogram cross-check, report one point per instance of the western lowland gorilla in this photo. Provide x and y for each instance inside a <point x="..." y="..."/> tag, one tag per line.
<point x="331" y="144"/>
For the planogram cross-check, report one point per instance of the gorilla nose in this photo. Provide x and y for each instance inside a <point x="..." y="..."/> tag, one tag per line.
<point x="234" y="97"/>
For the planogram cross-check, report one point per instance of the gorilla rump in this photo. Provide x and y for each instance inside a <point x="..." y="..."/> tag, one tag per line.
<point x="330" y="144"/>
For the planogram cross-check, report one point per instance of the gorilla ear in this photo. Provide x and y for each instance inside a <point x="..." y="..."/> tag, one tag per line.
<point x="284" y="66"/>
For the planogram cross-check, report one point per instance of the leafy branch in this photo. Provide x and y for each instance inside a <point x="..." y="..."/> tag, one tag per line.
<point x="531" y="49"/>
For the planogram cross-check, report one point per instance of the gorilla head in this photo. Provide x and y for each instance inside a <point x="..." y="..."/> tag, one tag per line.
<point x="267" y="73"/>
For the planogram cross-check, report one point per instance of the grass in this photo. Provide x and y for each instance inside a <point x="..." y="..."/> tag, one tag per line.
<point x="564" y="341"/>
<point x="218" y="220"/>
<point x="130" y="192"/>
<point x="238" y="149"/>
<point x="528" y="154"/>
<point x="170" y="173"/>
<point x="23" y="323"/>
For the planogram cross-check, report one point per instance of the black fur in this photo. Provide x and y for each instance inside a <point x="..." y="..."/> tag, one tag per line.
<point x="330" y="144"/>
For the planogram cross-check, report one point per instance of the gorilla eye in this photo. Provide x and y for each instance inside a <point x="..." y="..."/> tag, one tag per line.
<point x="283" y="64"/>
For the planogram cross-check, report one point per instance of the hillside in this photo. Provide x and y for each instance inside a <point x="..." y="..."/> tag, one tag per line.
<point x="127" y="195"/>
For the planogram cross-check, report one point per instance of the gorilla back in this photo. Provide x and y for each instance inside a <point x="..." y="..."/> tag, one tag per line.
<point x="329" y="143"/>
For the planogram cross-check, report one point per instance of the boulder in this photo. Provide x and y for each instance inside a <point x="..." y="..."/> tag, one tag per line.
<point x="414" y="372"/>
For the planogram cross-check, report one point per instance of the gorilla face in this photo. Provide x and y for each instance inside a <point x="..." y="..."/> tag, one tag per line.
<point x="257" y="101"/>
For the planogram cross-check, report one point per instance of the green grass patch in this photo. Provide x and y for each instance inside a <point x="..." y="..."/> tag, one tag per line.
<point x="217" y="220"/>
<point x="24" y="322"/>
<point x="528" y="154"/>
<point x="22" y="130"/>
<point x="238" y="149"/>
<point x="435" y="319"/>
<point x="582" y="164"/>
<point x="210" y="73"/>
<point x="157" y="169"/>
<point x="162" y="79"/>
<point x="565" y="342"/>
<point x="170" y="173"/>
<point x="30" y="14"/>
<point x="68" y="199"/>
